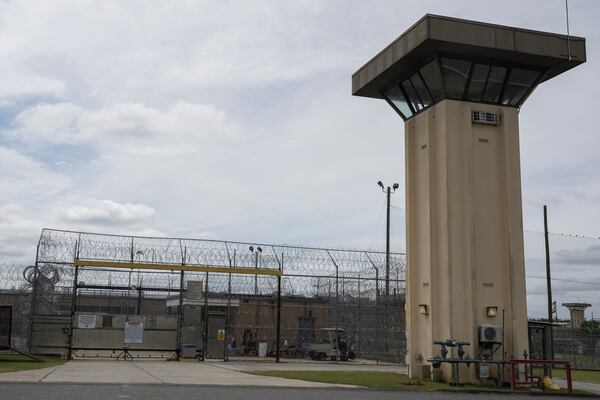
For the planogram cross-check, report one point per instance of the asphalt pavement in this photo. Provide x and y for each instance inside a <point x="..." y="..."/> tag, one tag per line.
<point x="75" y="391"/>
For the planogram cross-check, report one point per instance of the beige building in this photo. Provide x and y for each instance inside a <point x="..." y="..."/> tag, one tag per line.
<point x="459" y="85"/>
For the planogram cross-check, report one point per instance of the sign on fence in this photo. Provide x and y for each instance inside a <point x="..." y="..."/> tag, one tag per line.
<point x="86" y="321"/>
<point x="5" y="326"/>
<point x="133" y="333"/>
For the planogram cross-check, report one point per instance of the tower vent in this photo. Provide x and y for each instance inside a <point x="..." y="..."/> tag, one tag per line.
<point x="484" y="117"/>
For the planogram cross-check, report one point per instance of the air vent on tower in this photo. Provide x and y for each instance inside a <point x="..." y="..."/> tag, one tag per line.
<point x="484" y="117"/>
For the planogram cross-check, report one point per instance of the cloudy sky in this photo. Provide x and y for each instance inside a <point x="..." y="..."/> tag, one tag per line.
<point x="234" y="120"/>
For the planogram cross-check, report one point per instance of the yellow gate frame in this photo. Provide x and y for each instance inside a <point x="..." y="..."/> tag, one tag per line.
<point x="178" y="267"/>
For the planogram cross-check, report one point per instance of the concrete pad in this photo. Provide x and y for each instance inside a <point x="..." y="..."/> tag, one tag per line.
<point x="34" y="375"/>
<point x="308" y="366"/>
<point x="144" y="372"/>
<point x="585" y="386"/>
<point x="210" y="373"/>
<point x="100" y="372"/>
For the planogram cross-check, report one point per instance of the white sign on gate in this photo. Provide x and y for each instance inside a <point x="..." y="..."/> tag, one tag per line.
<point x="133" y="332"/>
<point x="86" y="321"/>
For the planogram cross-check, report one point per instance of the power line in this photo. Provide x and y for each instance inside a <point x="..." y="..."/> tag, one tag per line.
<point x="377" y="226"/>
<point x="564" y="234"/>
<point x="564" y="280"/>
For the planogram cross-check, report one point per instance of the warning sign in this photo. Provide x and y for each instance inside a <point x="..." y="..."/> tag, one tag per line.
<point x="133" y="333"/>
<point x="221" y="335"/>
<point x="86" y="321"/>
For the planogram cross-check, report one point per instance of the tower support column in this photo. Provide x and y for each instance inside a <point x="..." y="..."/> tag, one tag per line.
<point x="464" y="231"/>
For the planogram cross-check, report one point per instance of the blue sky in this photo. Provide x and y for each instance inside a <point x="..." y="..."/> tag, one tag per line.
<point x="234" y="120"/>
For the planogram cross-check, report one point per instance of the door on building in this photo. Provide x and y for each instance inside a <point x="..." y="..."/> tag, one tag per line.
<point x="215" y="340"/>
<point x="306" y="330"/>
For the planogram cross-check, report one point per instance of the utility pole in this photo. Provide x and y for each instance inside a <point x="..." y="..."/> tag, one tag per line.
<point x="548" y="283"/>
<point x="548" y="280"/>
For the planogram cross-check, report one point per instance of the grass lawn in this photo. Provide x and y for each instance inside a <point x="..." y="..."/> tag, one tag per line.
<point x="374" y="380"/>
<point x="380" y="380"/>
<point x="577" y="375"/>
<point x="11" y="362"/>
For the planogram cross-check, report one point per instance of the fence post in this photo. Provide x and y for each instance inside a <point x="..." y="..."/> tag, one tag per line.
<point x="33" y="298"/>
<point x="73" y="304"/>
<point x="377" y="311"/>
<point x="228" y="323"/>
<point x="358" y="317"/>
<point x="180" y="319"/>
<point x="337" y="300"/>
<point x="278" y="343"/>
<point x="205" y="336"/>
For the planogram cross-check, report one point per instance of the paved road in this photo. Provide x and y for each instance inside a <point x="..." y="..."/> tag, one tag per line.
<point x="75" y="391"/>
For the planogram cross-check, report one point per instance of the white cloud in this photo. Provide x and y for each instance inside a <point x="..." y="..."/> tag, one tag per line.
<point x="119" y="125"/>
<point x="22" y="177"/>
<point x="109" y="212"/>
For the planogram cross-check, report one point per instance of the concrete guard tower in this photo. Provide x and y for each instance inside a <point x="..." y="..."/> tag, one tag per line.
<point x="577" y="311"/>
<point x="458" y="85"/>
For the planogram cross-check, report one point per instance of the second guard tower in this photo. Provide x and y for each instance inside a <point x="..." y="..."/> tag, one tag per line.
<point x="458" y="85"/>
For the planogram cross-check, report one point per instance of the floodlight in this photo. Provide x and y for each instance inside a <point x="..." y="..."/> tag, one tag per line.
<point x="251" y="248"/>
<point x="259" y="249"/>
<point x="492" y="311"/>
<point x="396" y="186"/>
<point x="380" y="184"/>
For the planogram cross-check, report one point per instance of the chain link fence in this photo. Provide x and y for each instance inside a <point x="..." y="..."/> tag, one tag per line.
<point x="15" y="290"/>
<point x="278" y="301"/>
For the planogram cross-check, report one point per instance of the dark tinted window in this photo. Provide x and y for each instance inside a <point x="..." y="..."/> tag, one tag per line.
<point x="478" y="79"/>
<point x="412" y="95"/>
<point x="519" y="81"/>
<point x="456" y="73"/>
<point x="422" y="91"/>
<point x="494" y="85"/>
<point x="433" y="79"/>
<point x="396" y="97"/>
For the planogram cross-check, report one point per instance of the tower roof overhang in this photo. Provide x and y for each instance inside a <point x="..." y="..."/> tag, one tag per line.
<point x="436" y="36"/>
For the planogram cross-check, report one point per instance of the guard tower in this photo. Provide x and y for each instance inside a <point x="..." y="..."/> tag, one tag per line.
<point x="577" y="311"/>
<point x="458" y="85"/>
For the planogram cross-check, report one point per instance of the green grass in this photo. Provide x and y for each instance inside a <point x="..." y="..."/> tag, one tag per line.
<point x="10" y="363"/>
<point x="577" y="375"/>
<point x="374" y="380"/>
<point x="381" y="380"/>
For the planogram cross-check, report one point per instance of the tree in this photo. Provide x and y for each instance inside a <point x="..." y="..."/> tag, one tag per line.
<point x="590" y="327"/>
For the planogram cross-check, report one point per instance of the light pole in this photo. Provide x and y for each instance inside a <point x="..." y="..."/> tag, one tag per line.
<point x="388" y="191"/>
<point x="256" y="253"/>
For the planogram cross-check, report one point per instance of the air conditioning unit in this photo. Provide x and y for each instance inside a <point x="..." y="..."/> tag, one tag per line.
<point x="490" y="334"/>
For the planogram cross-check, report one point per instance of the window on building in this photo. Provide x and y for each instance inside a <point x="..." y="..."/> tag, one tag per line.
<point x="494" y="85"/>
<point x="456" y="73"/>
<point x="478" y="80"/>
<point x="412" y="96"/>
<point x="433" y="79"/>
<point x="421" y="90"/>
<point x="519" y="82"/>
<point x="395" y="96"/>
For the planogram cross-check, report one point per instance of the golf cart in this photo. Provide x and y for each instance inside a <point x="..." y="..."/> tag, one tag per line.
<point x="333" y="346"/>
